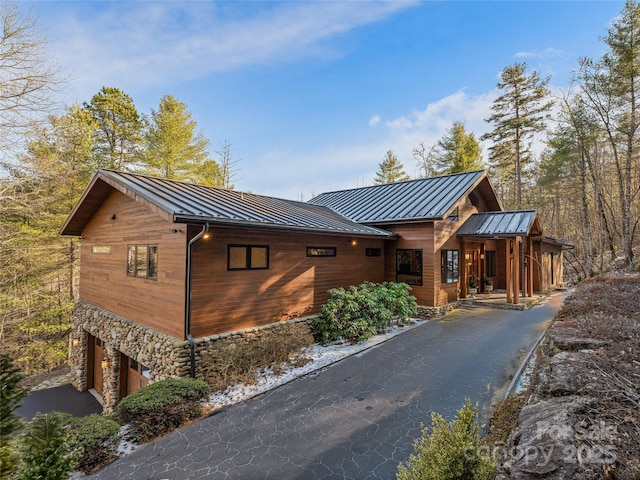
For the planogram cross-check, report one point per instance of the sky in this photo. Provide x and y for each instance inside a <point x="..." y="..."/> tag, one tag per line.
<point x="311" y="95"/>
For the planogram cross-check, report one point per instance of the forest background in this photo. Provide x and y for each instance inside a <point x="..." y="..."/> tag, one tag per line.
<point x="584" y="183"/>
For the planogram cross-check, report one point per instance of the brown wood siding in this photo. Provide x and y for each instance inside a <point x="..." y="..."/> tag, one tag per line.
<point x="414" y="236"/>
<point x="104" y="282"/>
<point x="294" y="285"/>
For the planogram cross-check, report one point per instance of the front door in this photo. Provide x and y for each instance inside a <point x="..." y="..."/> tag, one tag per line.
<point x="472" y="262"/>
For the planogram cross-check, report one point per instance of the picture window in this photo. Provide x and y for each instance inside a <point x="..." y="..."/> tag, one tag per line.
<point x="248" y="257"/>
<point x="409" y="266"/>
<point x="142" y="261"/>
<point x="449" y="266"/>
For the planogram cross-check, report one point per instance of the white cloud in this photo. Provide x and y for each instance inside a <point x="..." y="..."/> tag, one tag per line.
<point x="374" y="121"/>
<point x="549" y="53"/>
<point x="347" y="166"/>
<point x="148" y="42"/>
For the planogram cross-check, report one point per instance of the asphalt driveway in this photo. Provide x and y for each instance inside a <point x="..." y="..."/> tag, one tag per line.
<point x="356" y="419"/>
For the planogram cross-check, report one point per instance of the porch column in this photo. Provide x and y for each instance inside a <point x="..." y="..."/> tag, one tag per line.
<point x="508" y="243"/>
<point x="462" y="264"/>
<point x="530" y="267"/>
<point x="516" y="270"/>
<point x="482" y="265"/>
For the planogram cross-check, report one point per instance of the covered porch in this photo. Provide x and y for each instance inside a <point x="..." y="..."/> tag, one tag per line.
<point x="498" y="256"/>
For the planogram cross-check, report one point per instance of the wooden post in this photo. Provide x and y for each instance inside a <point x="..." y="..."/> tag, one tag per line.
<point x="516" y="270"/>
<point x="530" y="266"/>
<point x="462" y="264"/>
<point x="508" y="245"/>
<point x="482" y="265"/>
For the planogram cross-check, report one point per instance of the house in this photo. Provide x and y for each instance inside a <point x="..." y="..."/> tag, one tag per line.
<point x="171" y="269"/>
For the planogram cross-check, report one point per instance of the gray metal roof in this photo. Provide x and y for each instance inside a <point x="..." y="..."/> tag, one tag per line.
<point x="500" y="224"/>
<point x="192" y="203"/>
<point x="422" y="199"/>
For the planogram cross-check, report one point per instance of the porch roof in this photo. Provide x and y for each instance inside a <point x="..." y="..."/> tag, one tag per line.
<point x="501" y="224"/>
<point x="183" y="202"/>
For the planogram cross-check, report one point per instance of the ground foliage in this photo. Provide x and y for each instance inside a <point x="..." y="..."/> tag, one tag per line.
<point x="449" y="450"/>
<point x="600" y="322"/>
<point x="162" y="406"/>
<point x="357" y="313"/>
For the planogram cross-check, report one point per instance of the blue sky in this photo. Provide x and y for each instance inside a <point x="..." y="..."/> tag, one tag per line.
<point x="312" y="94"/>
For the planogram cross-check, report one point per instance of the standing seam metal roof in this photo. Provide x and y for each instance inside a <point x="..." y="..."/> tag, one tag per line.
<point x="422" y="199"/>
<point x="188" y="202"/>
<point x="498" y="224"/>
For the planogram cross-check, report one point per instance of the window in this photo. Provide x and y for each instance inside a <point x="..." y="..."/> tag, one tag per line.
<point x="449" y="266"/>
<point x="373" y="252"/>
<point x="409" y="266"/>
<point x="142" y="261"/>
<point x="248" y="257"/>
<point x="490" y="263"/>
<point x="101" y="249"/>
<point x="321" y="251"/>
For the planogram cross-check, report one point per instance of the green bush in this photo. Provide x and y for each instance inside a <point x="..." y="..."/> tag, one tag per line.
<point x="450" y="451"/>
<point x="357" y="313"/>
<point x="162" y="406"/>
<point x="45" y="448"/>
<point x="11" y="394"/>
<point x="96" y="439"/>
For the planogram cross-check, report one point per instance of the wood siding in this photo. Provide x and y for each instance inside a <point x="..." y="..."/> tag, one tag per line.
<point x="294" y="285"/>
<point x="158" y="304"/>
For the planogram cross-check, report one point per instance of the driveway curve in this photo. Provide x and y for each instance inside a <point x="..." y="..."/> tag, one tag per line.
<point x="356" y="419"/>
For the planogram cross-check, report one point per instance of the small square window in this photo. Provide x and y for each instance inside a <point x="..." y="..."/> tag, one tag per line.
<point x="373" y="252"/>
<point x="142" y="261"/>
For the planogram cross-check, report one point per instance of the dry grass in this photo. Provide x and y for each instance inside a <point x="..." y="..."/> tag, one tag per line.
<point x="232" y="362"/>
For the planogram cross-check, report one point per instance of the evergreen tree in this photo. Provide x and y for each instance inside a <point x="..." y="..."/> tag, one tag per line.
<point x="458" y="151"/>
<point x="391" y="170"/>
<point x="518" y="113"/>
<point x="46" y="454"/>
<point x="174" y="149"/>
<point x="11" y="394"/>
<point x="118" y="138"/>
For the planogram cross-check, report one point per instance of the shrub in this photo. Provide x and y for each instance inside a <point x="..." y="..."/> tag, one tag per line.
<point x="11" y="393"/>
<point x="45" y="449"/>
<point x="449" y="451"/>
<point x="357" y="313"/>
<point x="96" y="439"/>
<point x="160" y="407"/>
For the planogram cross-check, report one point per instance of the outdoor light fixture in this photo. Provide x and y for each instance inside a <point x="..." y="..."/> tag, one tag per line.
<point x="354" y="242"/>
<point x="206" y="236"/>
<point x="105" y="364"/>
<point x="76" y="342"/>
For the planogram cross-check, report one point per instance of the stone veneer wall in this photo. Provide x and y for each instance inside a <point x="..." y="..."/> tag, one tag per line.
<point x="427" y="313"/>
<point x="165" y="356"/>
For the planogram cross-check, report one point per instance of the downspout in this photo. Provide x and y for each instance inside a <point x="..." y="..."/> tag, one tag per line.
<point x="187" y="317"/>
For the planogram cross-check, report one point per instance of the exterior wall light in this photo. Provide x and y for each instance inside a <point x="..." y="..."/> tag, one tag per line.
<point x="76" y="342"/>
<point x="106" y="364"/>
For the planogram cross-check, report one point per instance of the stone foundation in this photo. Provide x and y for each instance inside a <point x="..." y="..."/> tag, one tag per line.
<point x="165" y="356"/>
<point x="427" y="313"/>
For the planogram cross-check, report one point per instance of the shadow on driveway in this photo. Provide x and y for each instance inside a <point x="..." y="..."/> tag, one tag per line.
<point x="64" y="398"/>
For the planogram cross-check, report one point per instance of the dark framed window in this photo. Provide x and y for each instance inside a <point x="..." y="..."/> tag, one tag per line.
<point x="248" y="257"/>
<point x="455" y="215"/>
<point x="142" y="261"/>
<point x="373" y="252"/>
<point x="449" y="266"/>
<point x="409" y="266"/>
<point x="321" y="251"/>
<point x="490" y="263"/>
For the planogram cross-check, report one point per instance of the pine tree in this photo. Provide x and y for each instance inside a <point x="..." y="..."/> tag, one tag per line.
<point x="174" y="149"/>
<point x="46" y="454"/>
<point x="11" y="393"/>
<point x="391" y="170"/>
<point x="519" y="113"/>
<point x="458" y="151"/>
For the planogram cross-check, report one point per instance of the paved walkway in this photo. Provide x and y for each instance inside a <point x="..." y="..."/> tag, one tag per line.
<point x="356" y="419"/>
